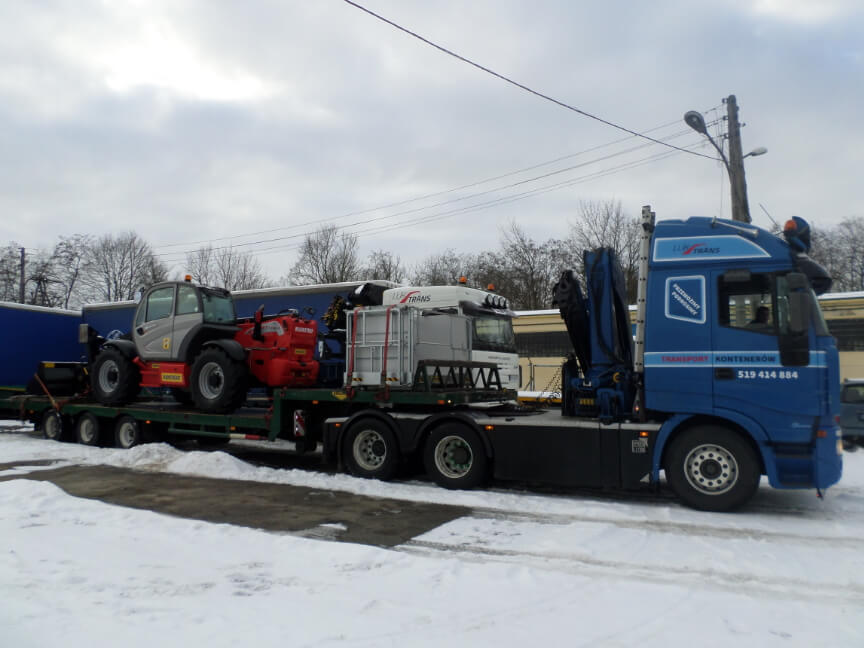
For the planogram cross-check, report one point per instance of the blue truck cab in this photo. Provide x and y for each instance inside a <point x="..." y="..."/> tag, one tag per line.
<point x="735" y="343"/>
<point x="732" y="373"/>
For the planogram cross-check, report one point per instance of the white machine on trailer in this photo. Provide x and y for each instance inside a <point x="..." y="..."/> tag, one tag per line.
<point x="492" y="338"/>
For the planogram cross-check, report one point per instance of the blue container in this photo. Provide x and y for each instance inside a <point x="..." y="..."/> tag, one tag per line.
<point x="33" y="334"/>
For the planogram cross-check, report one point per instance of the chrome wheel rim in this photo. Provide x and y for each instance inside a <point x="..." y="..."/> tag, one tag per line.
<point x="453" y="457"/>
<point x="109" y="376"/>
<point x="87" y="431"/>
<point x="369" y="450"/>
<point x="127" y="434"/>
<point x="211" y="380"/>
<point x="711" y="469"/>
<point x="53" y="427"/>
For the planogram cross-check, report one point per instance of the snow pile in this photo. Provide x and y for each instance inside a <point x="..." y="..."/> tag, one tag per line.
<point x="521" y="570"/>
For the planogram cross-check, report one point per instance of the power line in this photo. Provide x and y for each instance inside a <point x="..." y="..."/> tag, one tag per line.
<point x="442" y="203"/>
<point x="497" y="201"/>
<point x="519" y="85"/>
<point x="419" y="198"/>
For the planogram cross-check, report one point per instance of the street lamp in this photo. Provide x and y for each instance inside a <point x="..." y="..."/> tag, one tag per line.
<point x="740" y="208"/>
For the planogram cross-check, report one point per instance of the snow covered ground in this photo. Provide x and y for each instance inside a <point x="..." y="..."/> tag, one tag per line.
<point x="521" y="570"/>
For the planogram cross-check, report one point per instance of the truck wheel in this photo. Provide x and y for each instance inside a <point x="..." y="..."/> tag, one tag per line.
<point x="455" y="458"/>
<point x="53" y="426"/>
<point x="127" y="433"/>
<point x="218" y="382"/>
<point x="369" y="450"/>
<point x="712" y="469"/>
<point x="114" y="379"/>
<point x="87" y="430"/>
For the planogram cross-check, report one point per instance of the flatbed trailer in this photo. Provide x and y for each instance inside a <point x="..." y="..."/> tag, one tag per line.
<point x="455" y="432"/>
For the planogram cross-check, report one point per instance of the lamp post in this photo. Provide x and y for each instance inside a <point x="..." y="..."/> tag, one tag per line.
<point x="735" y="169"/>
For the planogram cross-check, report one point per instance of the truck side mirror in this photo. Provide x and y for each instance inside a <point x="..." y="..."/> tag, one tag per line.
<point x="799" y="313"/>
<point x="799" y="303"/>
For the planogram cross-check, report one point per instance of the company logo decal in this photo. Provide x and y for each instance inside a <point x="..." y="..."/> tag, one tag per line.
<point x="415" y="297"/>
<point x="685" y="298"/>
<point x="706" y="247"/>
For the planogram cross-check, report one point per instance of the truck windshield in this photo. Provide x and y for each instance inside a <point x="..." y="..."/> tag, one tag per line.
<point x="493" y="334"/>
<point x="218" y="307"/>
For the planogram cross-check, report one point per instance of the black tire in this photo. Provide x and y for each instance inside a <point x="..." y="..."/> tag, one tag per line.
<point x="455" y="458"/>
<point x="218" y="382"/>
<point x="115" y="380"/>
<point x="54" y="426"/>
<point x="182" y="396"/>
<point x="127" y="433"/>
<point x="369" y="449"/>
<point x="712" y="468"/>
<point x="88" y="430"/>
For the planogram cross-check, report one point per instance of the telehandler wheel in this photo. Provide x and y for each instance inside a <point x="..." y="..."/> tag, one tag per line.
<point x="87" y="430"/>
<point x="455" y="457"/>
<point x="369" y="449"/>
<point x="712" y="468"/>
<point x="127" y="433"/>
<point x="218" y="382"/>
<point x="54" y="426"/>
<point x="115" y="380"/>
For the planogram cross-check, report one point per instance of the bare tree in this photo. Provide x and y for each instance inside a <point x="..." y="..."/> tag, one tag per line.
<point x="604" y="224"/>
<point x="850" y="236"/>
<point x="10" y="272"/>
<point x="440" y="269"/>
<point x="383" y="265"/>
<point x="326" y="256"/>
<point x="226" y="268"/>
<point x="69" y="261"/>
<point x="531" y="269"/>
<point x="118" y="266"/>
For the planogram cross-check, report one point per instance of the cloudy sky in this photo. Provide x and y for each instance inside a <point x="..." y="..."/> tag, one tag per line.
<point x="249" y="124"/>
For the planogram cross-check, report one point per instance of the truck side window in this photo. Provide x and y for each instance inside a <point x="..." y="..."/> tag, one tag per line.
<point x="160" y="302"/>
<point x="187" y="300"/>
<point x="748" y="304"/>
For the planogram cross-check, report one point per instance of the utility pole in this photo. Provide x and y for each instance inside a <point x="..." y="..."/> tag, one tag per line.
<point x="740" y="207"/>
<point x="21" y="295"/>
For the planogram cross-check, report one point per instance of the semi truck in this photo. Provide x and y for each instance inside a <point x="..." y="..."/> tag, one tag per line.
<point x="712" y="393"/>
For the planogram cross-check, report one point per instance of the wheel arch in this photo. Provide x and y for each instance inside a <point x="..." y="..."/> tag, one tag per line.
<point x="746" y="429"/>
<point x="125" y="347"/>
<point x="232" y="348"/>
<point x="436" y="421"/>
<point x="204" y="336"/>
<point x="358" y="417"/>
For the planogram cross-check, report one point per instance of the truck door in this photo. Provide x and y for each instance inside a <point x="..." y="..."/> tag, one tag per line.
<point x="189" y="315"/>
<point x="678" y="372"/>
<point x="153" y="324"/>
<point x="757" y="370"/>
